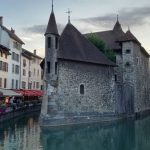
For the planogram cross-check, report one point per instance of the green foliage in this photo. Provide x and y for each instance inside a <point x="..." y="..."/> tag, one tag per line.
<point x="110" y="55"/>
<point x="93" y="38"/>
<point x="99" y="43"/>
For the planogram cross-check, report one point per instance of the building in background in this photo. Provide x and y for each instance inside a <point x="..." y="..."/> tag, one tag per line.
<point x="31" y="73"/>
<point x="4" y="54"/>
<point x="9" y="39"/>
<point x="15" y="61"/>
<point x="19" y="68"/>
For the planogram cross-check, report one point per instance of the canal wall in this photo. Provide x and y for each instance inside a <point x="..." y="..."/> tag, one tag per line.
<point x="19" y="113"/>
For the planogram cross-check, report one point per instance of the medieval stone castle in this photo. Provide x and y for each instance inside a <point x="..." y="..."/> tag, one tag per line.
<point x="82" y="85"/>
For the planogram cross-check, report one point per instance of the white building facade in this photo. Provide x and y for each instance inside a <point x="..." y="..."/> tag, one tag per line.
<point x="4" y="55"/>
<point x="19" y="68"/>
<point x="14" y="75"/>
<point x="31" y="73"/>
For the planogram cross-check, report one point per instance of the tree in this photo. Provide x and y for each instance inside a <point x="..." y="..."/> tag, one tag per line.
<point x="99" y="43"/>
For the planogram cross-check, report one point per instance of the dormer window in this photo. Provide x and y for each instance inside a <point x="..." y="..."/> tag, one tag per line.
<point x="128" y="51"/>
<point x="49" y="42"/>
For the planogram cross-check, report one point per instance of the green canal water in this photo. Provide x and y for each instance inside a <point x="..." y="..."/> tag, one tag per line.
<point x="25" y="134"/>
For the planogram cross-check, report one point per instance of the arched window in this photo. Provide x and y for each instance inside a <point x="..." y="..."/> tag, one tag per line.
<point x="82" y="89"/>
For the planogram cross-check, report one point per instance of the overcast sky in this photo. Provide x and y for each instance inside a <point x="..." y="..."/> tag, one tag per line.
<point x="29" y="18"/>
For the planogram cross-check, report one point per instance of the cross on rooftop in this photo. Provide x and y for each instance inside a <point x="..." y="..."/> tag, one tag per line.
<point x="69" y="12"/>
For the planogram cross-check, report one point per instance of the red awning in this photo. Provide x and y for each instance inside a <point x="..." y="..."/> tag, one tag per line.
<point x="30" y="92"/>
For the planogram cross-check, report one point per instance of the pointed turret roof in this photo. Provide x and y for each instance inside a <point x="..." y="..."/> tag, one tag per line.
<point x="52" y="26"/>
<point x="75" y="47"/>
<point x="117" y="25"/>
<point x="128" y="37"/>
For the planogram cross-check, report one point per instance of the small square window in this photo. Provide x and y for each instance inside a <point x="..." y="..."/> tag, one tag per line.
<point x="128" y="51"/>
<point x="127" y="64"/>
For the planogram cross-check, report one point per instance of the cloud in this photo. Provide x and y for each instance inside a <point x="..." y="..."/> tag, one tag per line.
<point x="127" y="16"/>
<point x="40" y="29"/>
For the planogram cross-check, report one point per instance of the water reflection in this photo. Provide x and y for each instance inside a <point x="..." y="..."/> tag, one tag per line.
<point x="25" y="134"/>
<point x="22" y="134"/>
<point x="93" y="137"/>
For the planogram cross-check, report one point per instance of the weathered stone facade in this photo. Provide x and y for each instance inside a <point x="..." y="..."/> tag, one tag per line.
<point x="99" y="88"/>
<point x="137" y="74"/>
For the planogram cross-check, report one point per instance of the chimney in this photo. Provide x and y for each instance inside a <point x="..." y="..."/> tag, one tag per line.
<point x="35" y="52"/>
<point x="12" y="30"/>
<point x="1" y="20"/>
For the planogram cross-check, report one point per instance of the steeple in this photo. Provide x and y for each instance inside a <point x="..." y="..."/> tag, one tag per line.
<point x="117" y="25"/>
<point x="52" y="26"/>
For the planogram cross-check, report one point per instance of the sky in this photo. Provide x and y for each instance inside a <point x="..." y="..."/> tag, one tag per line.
<point x="29" y="18"/>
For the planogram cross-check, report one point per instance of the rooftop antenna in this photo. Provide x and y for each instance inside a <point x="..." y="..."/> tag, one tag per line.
<point x="117" y="17"/>
<point x="69" y="12"/>
<point x="52" y="5"/>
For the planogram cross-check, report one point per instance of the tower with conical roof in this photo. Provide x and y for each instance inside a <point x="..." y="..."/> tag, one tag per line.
<point x="117" y="25"/>
<point x="50" y="67"/>
<point x="51" y="47"/>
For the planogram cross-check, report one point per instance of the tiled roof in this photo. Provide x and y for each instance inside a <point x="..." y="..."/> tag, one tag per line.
<point x="52" y="27"/>
<point x="110" y="38"/>
<point x="29" y="54"/>
<point x="128" y="36"/>
<point x="5" y="49"/>
<point x="74" y="46"/>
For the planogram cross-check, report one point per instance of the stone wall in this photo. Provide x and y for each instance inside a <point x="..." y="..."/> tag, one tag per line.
<point x="142" y="86"/>
<point x="99" y="96"/>
<point x="136" y="76"/>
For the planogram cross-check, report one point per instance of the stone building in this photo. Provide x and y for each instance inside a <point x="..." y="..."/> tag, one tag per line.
<point x="132" y="73"/>
<point x="82" y="85"/>
<point x="79" y="79"/>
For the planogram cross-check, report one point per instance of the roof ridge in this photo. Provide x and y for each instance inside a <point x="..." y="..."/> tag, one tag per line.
<point x="31" y="53"/>
<point x="12" y="35"/>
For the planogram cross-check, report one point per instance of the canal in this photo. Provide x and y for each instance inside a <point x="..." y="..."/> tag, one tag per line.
<point x="25" y="134"/>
